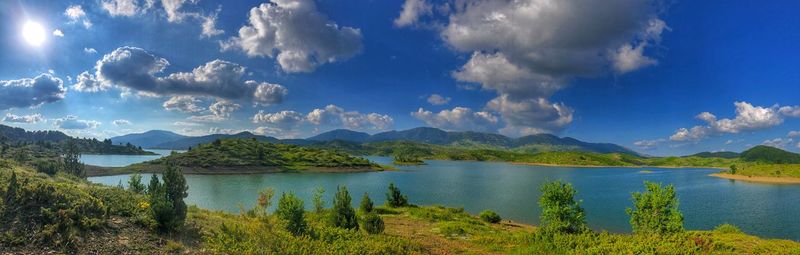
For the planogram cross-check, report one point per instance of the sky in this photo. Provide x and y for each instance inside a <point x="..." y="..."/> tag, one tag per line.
<point x="660" y="77"/>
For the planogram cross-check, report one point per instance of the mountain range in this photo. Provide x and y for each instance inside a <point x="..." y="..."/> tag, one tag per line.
<point x="159" y="139"/>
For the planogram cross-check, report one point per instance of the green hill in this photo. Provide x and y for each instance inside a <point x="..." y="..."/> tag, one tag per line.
<point x="720" y="154"/>
<point x="15" y="142"/>
<point x="767" y="154"/>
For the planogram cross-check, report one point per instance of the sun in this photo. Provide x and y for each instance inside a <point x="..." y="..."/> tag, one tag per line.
<point x="34" y="33"/>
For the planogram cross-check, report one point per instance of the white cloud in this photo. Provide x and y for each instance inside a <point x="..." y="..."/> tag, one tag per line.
<point x="531" y="116"/>
<point x="297" y="34"/>
<point x="135" y="68"/>
<point x="188" y="124"/>
<point x="28" y="92"/>
<point x="436" y="99"/>
<point x="210" y="26"/>
<point x="186" y="104"/>
<point x="87" y="82"/>
<point x="778" y="142"/>
<point x="224" y="108"/>
<point x="72" y="122"/>
<point x="121" y="7"/>
<point x="648" y="144"/>
<point x="28" y="119"/>
<point x="412" y="11"/>
<point x="283" y="119"/>
<point x="75" y="14"/>
<point x="627" y="58"/>
<point x="121" y="122"/>
<point x="695" y="133"/>
<point x="58" y="33"/>
<point x="89" y="51"/>
<point x="790" y="111"/>
<point x="793" y="134"/>
<point x="459" y="118"/>
<point x="333" y="116"/>
<point x="748" y="117"/>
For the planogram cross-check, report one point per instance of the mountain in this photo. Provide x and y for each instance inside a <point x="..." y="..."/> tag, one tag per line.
<point x="54" y="142"/>
<point x="193" y="141"/>
<point x="721" y="154"/>
<point x="768" y="154"/>
<point x="21" y="135"/>
<point x="148" y="139"/>
<point x="341" y="134"/>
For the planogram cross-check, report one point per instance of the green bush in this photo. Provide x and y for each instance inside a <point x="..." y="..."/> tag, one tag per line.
<point x="49" y="167"/>
<point x="135" y="184"/>
<point x="728" y="229"/>
<point x="490" y="216"/>
<point x="319" y="203"/>
<point x="292" y="212"/>
<point x="394" y="198"/>
<point x="560" y="212"/>
<point x="655" y="211"/>
<point x="343" y="214"/>
<point x="372" y="223"/>
<point x="366" y="204"/>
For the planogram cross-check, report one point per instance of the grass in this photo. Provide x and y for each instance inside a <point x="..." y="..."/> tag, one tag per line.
<point x="768" y="170"/>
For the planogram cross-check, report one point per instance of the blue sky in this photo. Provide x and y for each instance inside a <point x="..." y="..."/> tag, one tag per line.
<point x="664" y="78"/>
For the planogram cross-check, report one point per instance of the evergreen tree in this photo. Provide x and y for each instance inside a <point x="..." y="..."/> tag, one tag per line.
<point x="319" y="203"/>
<point x="135" y="183"/>
<point x="11" y="191"/>
<point x="160" y="207"/>
<point x="72" y="163"/>
<point x="291" y="211"/>
<point x="176" y="190"/>
<point x="394" y="198"/>
<point x="366" y="204"/>
<point x="343" y="215"/>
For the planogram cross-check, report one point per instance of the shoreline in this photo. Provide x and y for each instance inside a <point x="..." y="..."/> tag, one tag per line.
<point x="602" y="166"/>
<point x="98" y="171"/>
<point x="758" y="179"/>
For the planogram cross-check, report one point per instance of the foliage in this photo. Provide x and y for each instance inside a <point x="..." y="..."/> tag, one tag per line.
<point x="291" y="211"/>
<point x="366" y="204"/>
<point x="732" y="169"/>
<point x="176" y="190"/>
<point x="770" y="155"/>
<point x="343" y="214"/>
<point x="372" y="223"/>
<point x="135" y="184"/>
<point x="49" y="167"/>
<point x="72" y="163"/>
<point x="490" y="216"/>
<point x="560" y="212"/>
<point x="656" y="210"/>
<point x="166" y="200"/>
<point x="319" y="203"/>
<point x="727" y="229"/>
<point x="394" y="198"/>
<point x="264" y="202"/>
<point x="407" y="156"/>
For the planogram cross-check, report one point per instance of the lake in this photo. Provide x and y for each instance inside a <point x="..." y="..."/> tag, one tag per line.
<point x="764" y="210"/>
<point x="121" y="160"/>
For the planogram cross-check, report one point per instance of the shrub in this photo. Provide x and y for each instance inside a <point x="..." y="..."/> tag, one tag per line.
<point x="372" y="223"/>
<point x="490" y="216"/>
<point x="656" y="211"/>
<point x="728" y="229"/>
<point x="343" y="215"/>
<point x="49" y="167"/>
<point x="394" y="198"/>
<point x="135" y="184"/>
<point x="733" y="169"/>
<point x="560" y="212"/>
<point x="366" y="204"/>
<point x="291" y="211"/>
<point x="319" y="204"/>
<point x="72" y="163"/>
<point x="264" y="202"/>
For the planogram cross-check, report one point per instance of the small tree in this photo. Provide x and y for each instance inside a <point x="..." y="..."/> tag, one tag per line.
<point x="135" y="183"/>
<point x="372" y="223"/>
<point x="366" y="204"/>
<point x="560" y="212"/>
<point x="319" y="204"/>
<point x="290" y="210"/>
<point x="490" y="216"/>
<point x="11" y="191"/>
<point x="176" y="190"/>
<point x="72" y="160"/>
<point x="160" y="207"/>
<point x="264" y="202"/>
<point x="343" y="215"/>
<point x="394" y="198"/>
<point x="655" y="211"/>
<point x="733" y="169"/>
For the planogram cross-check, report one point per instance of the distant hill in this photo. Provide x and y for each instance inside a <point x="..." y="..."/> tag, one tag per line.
<point x="768" y="154"/>
<point x="21" y="135"/>
<point x="53" y="142"/>
<point x="721" y="154"/>
<point x="191" y="141"/>
<point x="148" y="139"/>
<point x="341" y="134"/>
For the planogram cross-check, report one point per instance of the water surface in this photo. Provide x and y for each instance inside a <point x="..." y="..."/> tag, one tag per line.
<point x="512" y="190"/>
<point x="121" y="160"/>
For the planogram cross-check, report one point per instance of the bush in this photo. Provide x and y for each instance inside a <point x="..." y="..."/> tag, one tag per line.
<point x="49" y="167"/>
<point x="366" y="204"/>
<point x="656" y="210"/>
<point x="490" y="216"/>
<point x="343" y="215"/>
<point x="176" y="190"/>
<point x="292" y="212"/>
<point x="728" y="229"/>
<point x="560" y="212"/>
<point x="319" y="204"/>
<point x="135" y="184"/>
<point x="394" y="198"/>
<point x="372" y="223"/>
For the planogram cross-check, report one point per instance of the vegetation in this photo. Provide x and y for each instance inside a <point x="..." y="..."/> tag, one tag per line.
<point x="395" y="198"/>
<point x="372" y="223"/>
<point x="319" y="204"/>
<point x="490" y="216"/>
<point x="135" y="184"/>
<point x="290" y="210"/>
<point x="343" y="215"/>
<point x="407" y="156"/>
<point x="770" y="155"/>
<point x="50" y="144"/>
<point x="655" y="211"/>
<point x="560" y="212"/>
<point x="366" y="204"/>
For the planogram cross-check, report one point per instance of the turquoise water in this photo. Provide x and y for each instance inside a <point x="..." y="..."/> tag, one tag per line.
<point x="121" y="160"/>
<point x="512" y="191"/>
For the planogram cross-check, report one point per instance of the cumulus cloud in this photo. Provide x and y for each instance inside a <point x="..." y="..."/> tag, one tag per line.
<point x="209" y="26"/>
<point x="121" y="122"/>
<point x="333" y="115"/>
<point x="135" y="68"/>
<point x="121" y="7"/>
<point x="89" y="51"/>
<point x="436" y="99"/>
<point x="76" y="14"/>
<point x="531" y="116"/>
<point x="790" y="111"/>
<point x="695" y="133"/>
<point x="778" y="142"/>
<point x="748" y="117"/>
<point x="173" y="10"/>
<point x="87" y="82"/>
<point x="223" y="109"/>
<point x="28" y="92"/>
<point x="297" y="34"/>
<point x="58" y="33"/>
<point x="412" y="11"/>
<point x="648" y="144"/>
<point x="186" y="104"/>
<point x="72" y="122"/>
<point x="459" y="118"/>
<point x="793" y="134"/>
<point x="282" y="119"/>
<point x="27" y="119"/>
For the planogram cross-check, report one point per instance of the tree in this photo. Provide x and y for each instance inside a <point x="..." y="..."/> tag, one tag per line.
<point x="166" y="200"/>
<point x="394" y="198"/>
<point x="290" y="210"/>
<point x="72" y="163"/>
<point x="343" y="215"/>
<point x="176" y="190"/>
<point x="733" y="169"/>
<point x="319" y="204"/>
<point x="490" y="216"/>
<point x="264" y="202"/>
<point x="655" y="211"/>
<point x="217" y="143"/>
<point x="560" y="212"/>
<point x="372" y="223"/>
<point x="135" y="184"/>
<point x="160" y="207"/>
<point x="366" y="204"/>
<point x="11" y="191"/>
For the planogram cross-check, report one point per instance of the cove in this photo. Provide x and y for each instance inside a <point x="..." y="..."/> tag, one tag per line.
<point x="765" y="210"/>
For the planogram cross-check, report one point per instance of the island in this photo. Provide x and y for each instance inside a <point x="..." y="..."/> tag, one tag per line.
<point x="248" y="156"/>
<point x="764" y="164"/>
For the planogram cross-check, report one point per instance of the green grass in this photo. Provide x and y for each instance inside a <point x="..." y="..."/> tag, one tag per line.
<point x="768" y="170"/>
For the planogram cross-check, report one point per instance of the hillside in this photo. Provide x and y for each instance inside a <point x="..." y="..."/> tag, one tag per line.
<point x="720" y="154"/>
<point x="767" y="154"/>
<point x="341" y="134"/>
<point x="148" y="139"/>
<point x="190" y="142"/>
<point x="50" y="143"/>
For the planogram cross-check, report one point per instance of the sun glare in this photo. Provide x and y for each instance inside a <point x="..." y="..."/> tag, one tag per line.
<point x="34" y="33"/>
